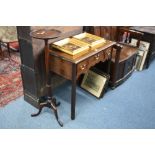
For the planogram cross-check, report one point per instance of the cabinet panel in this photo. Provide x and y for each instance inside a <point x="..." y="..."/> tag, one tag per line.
<point x="107" y="32"/>
<point x="129" y="65"/>
<point x="124" y="70"/>
<point x="61" y="67"/>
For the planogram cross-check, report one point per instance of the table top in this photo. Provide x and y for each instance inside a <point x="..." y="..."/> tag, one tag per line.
<point x="145" y="29"/>
<point x="45" y="34"/>
<point x="80" y="57"/>
<point x="8" y="34"/>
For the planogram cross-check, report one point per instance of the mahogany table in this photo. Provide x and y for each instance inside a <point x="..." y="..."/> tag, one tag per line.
<point x="74" y="66"/>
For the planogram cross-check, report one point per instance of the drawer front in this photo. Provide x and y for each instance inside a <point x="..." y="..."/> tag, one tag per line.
<point x="82" y="67"/>
<point x="107" y="53"/>
<point x="96" y="59"/>
<point x="61" y="67"/>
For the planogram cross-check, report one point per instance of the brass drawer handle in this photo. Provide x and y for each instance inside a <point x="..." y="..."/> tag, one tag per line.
<point x="108" y="52"/>
<point x="97" y="56"/>
<point x="83" y="67"/>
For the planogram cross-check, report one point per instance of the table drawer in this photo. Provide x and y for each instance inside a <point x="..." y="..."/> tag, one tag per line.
<point x="96" y="59"/>
<point x="61" y="67"/>
<point x="82" y="67"/>
<point x="107" y="53"/>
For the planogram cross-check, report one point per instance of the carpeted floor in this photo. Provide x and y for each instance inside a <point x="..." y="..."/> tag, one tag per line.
<point x="10" y="79"/>
<point x="130" y="106"/>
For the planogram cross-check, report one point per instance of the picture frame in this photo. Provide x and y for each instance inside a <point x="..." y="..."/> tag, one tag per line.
<point x="144" y="46"/>
<point x="133" y="42"/>
<point x="141" y="54"/>
<point x="95" y="82"/>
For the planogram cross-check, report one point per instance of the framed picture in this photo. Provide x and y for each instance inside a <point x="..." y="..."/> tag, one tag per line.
<point x="95" y="82"/>
<point x="133" y="42"/>
<point x="144" y="46"/>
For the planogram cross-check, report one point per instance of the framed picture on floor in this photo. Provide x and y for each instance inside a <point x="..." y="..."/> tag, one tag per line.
<point x="143" y="44"/>
<point x="95" y="82"/>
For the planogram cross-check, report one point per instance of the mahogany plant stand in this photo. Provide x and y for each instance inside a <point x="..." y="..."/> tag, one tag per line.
<point x="47" y="101"/>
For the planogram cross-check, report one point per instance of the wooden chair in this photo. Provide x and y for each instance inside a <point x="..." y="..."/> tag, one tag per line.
<point x="11" y="46"/>
<point x="8" y="39"/>
<point x="124" y="55"/>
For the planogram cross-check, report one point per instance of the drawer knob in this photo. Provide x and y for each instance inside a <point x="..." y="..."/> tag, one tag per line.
<point x="83" y="67"/>
<point x="97" y="57"/>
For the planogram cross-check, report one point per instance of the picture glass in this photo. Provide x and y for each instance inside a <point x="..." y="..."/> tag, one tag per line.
<point x="94" y="83"/>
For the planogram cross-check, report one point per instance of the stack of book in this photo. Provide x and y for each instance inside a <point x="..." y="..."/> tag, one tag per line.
<point x="142" y="54"/>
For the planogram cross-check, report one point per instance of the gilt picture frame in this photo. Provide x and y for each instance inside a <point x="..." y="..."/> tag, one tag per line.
<point x="95" y="82"/>
<point x="144" y="46"/>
